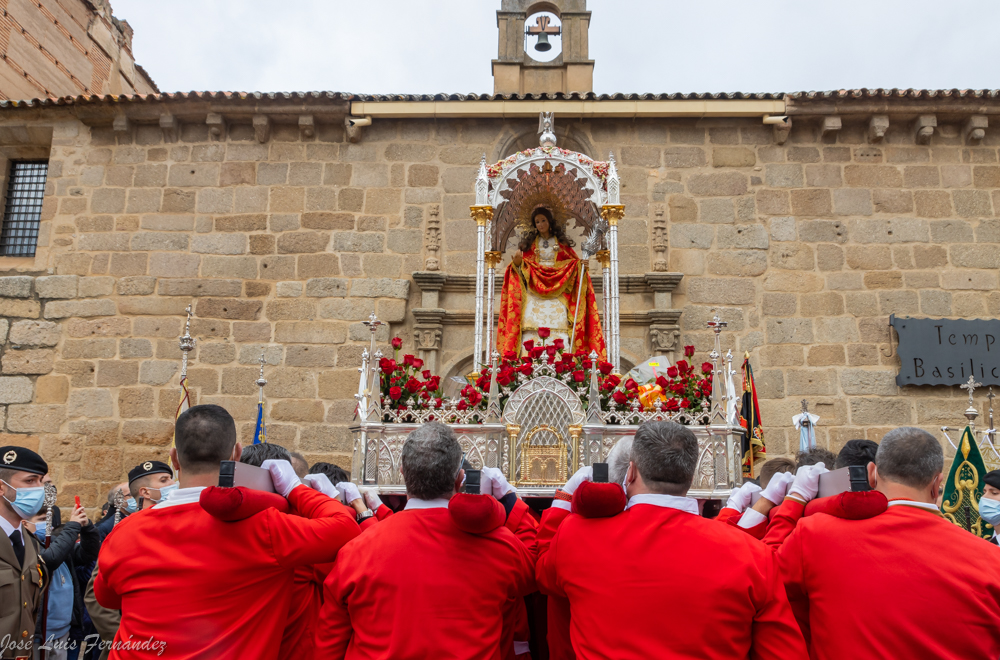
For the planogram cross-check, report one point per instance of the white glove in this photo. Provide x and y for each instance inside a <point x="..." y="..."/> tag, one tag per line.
<point x="777" y="487"/>
<point x="322" y="483"/>
<point x="372" y="500"/>
<point x="350" y="491"/>
<point x="806" y="483"/>
<point x="585" y="473"/>
<point x="492" y="482"/>
<point x="282" y="476"/>
<point x="739" y="498"/>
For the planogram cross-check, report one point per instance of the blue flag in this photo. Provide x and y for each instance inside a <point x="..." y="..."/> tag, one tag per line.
<point x="260" y="433"/>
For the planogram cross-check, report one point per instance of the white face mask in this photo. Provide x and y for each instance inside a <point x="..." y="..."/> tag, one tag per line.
<point x="164" y="492"/>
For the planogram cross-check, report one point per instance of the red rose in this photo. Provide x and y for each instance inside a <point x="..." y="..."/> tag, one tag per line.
<point x="466" y="390"/>
<point x="528" y="345"/>
<point x="562" y="367"/>
<point x="688" y="351"/>
<point x="536" y="352"/>
<point x="551" y="350"/>
<point x="418" y="364"/>
<point x="462" y="405"/>
<point x="683" y="366"/>
<point x="685" y="404"/>
<point x="426" y="374"/>
<point x="606" y="368"/>
<point x="587" y="364"/>
<point x="630" y="384"/>
<point x="509" y="356"/>
<point x="672" y="405"/>
<point x="438" y="402"/>
<point x="387" y="365"/>
<point x="672" y="372"/>
<point x="559" y="343"/>
<point x="413" y="385"/>
<point x="408" y="360"/>
<point x="568" y="358"/>
<point x="425" y="396"/>
<point x="503" y="379"/>
<point x="544" y="333"/>
<point x="619" y="397"/>
<point x="526" y="359"/>
<point x="526" y="369"/>
<point x="395" y="393"/>
<point x="706" y="367"/>
<point x="397" y="343"/>
<point x="475" y="398"/>
<point x="613" y="379"/>
<point x="578" y="376"/>
<point x="662" y="382"/>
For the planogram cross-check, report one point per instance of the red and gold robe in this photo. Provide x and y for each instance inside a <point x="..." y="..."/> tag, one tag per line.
<point x="559" y="281"/>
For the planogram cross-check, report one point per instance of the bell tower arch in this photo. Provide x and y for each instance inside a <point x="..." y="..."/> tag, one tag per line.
<point x="529" y="32"/>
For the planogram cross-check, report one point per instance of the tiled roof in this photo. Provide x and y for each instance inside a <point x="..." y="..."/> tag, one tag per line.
<point x="843" y="94"/>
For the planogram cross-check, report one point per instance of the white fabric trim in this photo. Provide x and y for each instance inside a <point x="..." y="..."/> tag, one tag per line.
<point x="417" y="503"/>
<point x="520" y="648"/>
<point x="751" y="518"/>
<point x="7" y="528"/>
<point x="181" y="496"/>
<point x="562" y="504"/>
<point x="917" y="505"/>
<point x="687" y="504"/>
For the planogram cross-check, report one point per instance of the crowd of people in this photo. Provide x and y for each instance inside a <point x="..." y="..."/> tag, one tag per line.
<point x="629" y="568"/>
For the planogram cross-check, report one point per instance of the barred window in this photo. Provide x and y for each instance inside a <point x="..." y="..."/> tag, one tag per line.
<point x="23" y="210"/>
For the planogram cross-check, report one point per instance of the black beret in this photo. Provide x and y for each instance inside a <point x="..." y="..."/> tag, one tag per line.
<point x="148" y="468"/>
<point x="25" y="460"/>
<point x="993" y="478"/>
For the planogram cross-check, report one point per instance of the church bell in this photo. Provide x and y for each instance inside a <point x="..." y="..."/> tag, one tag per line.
<point x="543" y="44"/>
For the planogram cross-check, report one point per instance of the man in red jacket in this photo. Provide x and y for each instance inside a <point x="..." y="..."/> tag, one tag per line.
<point x="192" y="586"/>
<point x="415" y="585"/>
<point x="660" y="581"/>
<point x="906" y="583"/>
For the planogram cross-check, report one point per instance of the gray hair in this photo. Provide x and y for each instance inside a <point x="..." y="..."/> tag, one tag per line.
<point x="909" y="456"/>
<point x="431" y="461"/>
<point x="618" y="459"/>
<point x="666" y="456"/>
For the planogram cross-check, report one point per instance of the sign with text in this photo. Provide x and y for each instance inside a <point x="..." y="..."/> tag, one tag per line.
<point x="947" y="351"/>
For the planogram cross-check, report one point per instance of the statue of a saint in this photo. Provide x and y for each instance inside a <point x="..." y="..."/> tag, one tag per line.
<point x="541" y="288"/>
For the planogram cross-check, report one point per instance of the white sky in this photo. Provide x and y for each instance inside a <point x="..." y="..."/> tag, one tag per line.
<point x="427" y="46"/>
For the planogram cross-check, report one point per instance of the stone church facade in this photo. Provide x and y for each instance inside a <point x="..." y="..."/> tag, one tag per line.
<point x="803" y="220"/>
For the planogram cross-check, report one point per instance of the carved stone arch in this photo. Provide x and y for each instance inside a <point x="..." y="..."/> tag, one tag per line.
<point x="568" y="137"/>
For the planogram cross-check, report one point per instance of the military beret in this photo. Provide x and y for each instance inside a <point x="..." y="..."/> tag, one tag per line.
<point x="25" y="460"/>
<point x="148" y="468"/>
<point x="993" y="478"/>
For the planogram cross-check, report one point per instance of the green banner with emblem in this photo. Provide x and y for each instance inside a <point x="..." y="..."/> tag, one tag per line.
<point x="964" y="487"/>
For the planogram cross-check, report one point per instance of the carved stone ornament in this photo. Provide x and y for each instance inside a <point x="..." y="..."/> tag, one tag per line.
<point x="432" y="238"/>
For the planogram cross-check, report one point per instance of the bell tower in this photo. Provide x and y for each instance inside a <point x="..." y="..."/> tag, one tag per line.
<point x="543" y="47"/>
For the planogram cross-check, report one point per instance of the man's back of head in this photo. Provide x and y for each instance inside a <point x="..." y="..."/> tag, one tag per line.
<point x="204" y="436"/>
<point x="431" y="461"/>
<point x="257" y="454"/>
<point x="618" y="459"/>
<point x="909" y="456"/>
<point x="773" y="466"/>
<point x="856" y="452"/>
<point x="665" y="455"/>
<point x="814" y="456"/>
<point x="335" y="473"/>
<point x="299" y="463"/>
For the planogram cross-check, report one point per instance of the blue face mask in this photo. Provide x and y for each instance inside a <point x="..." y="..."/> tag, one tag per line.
<point x="165" y="491"/>
<point x="40" y="530"/>
<point x="130" y="505"/>
<point x="989" y="510"/>
<point x="28" y="501"/>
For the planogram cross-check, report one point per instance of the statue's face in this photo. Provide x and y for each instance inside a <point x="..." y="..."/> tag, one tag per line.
<point x="541" y="224"/>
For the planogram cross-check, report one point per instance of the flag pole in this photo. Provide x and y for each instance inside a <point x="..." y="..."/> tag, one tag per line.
<point x="186" y="343"/>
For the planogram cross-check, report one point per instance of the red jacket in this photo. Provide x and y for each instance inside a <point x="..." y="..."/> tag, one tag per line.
<point x="211" y="589"/>
<point x="525" y="528"/>
<point x="657" y="582"/>
<point x="417" y="586"/>
<point x="904" y="584"/>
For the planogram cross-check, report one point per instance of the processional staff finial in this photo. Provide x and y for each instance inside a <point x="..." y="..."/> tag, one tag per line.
<point x="546" y="129"/>
<point x="971" y="413"/>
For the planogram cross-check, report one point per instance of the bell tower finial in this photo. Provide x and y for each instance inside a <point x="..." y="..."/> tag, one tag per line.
<point x="543" y="48"/>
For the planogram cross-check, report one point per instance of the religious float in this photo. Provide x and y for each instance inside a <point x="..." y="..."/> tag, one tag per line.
<point x="545" y="395"/>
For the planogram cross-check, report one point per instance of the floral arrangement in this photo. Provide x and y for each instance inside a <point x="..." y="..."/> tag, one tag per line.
<point x="598" y="167"/>
<point x="681" y="389"/>
<point x="400" y="382"/>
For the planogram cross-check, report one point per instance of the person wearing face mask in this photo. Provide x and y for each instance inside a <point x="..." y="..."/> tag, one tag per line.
<point x="620" y="572"/>
<point x="989" y="504"/>
<point x="65" y="596"/>
<point x="883" y="587"/>
<point x="22" y="576"/>
<point x="148" y="483"/>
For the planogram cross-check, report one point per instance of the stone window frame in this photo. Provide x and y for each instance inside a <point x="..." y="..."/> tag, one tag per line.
<point x="22" y="143"/>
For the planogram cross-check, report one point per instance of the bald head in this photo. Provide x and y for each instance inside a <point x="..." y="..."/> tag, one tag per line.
<point x="909" y="456"/>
